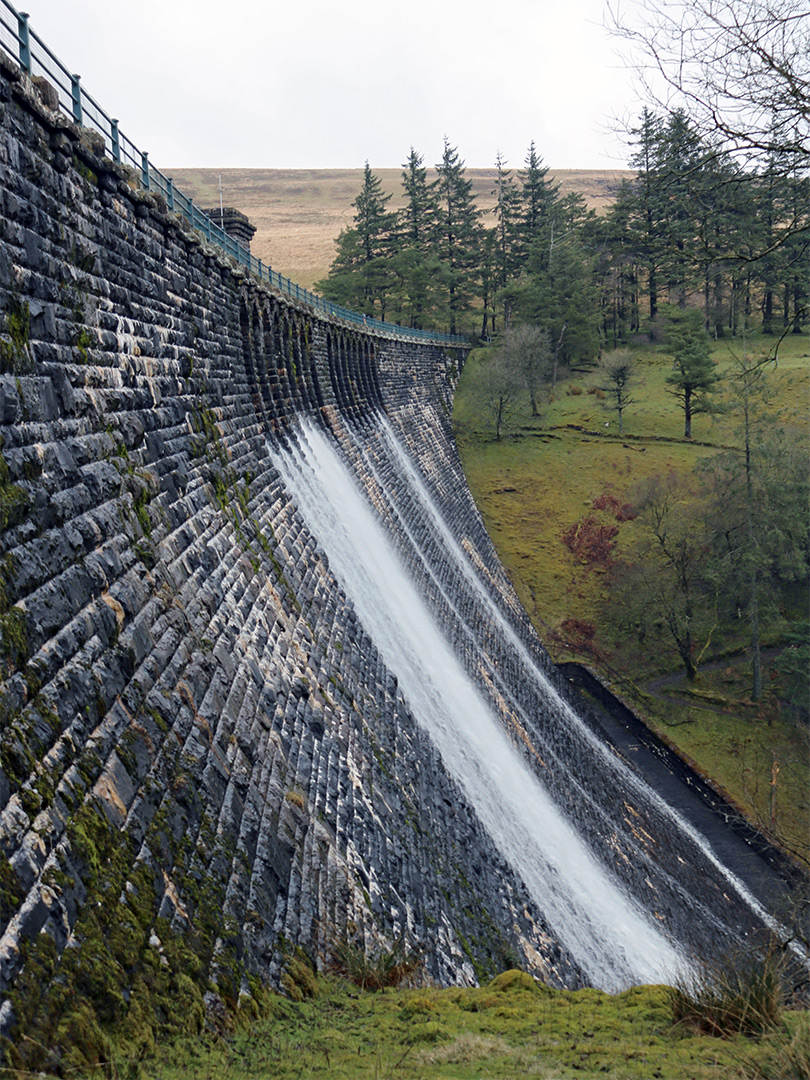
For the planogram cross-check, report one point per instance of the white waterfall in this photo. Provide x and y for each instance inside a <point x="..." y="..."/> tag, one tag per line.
<point x="605" y="931"/>
<point x="609" y="761"/>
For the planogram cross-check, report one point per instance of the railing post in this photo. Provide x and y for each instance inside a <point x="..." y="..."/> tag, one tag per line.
<point x="170" y="192"/>
<point x="145" y="170"/>
<point x="25" y="42"/>
<point x="76" y="94"/>
<point x="115" y="139"/>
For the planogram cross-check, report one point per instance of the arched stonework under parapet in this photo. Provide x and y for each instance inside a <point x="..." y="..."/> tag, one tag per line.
<point x="270" y="378"/>
<point x="351" y="366"/>
<point x="251" y="344"/>
<point x="306" y="353"/>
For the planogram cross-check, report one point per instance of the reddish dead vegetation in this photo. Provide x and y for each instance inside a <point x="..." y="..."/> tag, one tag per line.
<point x="620" y="511"/>
<point x="579" y="634"/>
<point x="591" y="541"/>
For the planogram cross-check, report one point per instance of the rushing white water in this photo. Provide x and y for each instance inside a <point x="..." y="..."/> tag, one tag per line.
<point x="605" y="931"/>
<point x="630" y="781"/>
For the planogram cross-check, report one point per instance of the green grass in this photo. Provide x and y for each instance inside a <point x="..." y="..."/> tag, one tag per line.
<point x="535" y="484"/>
<point x="510" y="1028"/>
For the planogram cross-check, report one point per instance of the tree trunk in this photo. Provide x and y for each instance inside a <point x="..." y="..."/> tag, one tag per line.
<point x="684" y="647"/>
<point x="753" y="598"/>
<point x="756" y="660"/>
<point x="767" y="312"/>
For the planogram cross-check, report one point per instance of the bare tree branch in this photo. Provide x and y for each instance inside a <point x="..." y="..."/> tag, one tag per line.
<point x="739" y="68"/>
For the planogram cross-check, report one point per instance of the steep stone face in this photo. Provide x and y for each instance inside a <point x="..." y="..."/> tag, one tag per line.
<point x="203" y="759"/>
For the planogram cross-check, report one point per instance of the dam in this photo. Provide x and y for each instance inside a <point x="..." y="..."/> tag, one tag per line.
<point x="264" y="679"/>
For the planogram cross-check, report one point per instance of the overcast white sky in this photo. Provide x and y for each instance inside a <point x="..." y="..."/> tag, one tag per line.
<point x="325" y="83"/>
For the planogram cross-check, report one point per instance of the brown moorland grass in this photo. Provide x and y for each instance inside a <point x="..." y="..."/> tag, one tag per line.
<point x="298" y="213"/>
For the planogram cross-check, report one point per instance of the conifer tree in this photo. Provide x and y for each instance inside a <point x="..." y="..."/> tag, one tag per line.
<point x="694" y="376"/>
<point x="538" y="195"/>
<point x="645" y="213"/>
<point x="619" y="269"/>
<point x="416" y="267"/>
<point x="360" y="276"/>
<point x="458" y="233"/>
<point x="417" y="219"/>
<point x="556" y="290"/>
<point x="488" y="283"/>
<point x="373" y="222"/>
<point x="507" y="222"/>
<point x="680" y="189"/>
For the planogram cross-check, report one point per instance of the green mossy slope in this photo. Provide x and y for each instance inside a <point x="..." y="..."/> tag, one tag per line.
<point x="510" y="1028"/>
<point x="544" y="476"/>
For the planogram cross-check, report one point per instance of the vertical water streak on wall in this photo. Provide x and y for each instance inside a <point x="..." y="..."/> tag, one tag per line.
<point x="533" y="672"/>
<point x="602" y="927"/>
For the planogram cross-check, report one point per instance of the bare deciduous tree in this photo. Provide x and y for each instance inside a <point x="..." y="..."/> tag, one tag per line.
<point x="527" y="349"/>
<point x="660" y="591"/>
<point x="500" y="387"/>
<point x="739" y="68"/>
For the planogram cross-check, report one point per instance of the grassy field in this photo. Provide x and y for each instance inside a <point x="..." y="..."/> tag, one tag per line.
<point x="298" y="213"/>
<point x="508" y="1030"/>
<point x="533" y="485"/>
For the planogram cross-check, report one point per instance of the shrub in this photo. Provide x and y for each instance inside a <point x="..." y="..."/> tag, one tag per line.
<point x="742" y="994"/>
<point x="382" y="966"/>
<point x="296" y="798"/>
<point x="620" y="511"/>
<point x="579" y="633"/>
<point x="591" y="541"/>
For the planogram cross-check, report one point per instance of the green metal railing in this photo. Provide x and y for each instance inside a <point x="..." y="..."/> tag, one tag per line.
<point x="35" y="58"/>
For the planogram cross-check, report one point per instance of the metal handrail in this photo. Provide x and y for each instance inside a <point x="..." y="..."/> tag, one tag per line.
<point x="22" y="43"/>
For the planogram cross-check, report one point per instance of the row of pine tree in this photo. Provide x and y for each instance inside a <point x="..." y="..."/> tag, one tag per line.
<point x="690" y="228"/>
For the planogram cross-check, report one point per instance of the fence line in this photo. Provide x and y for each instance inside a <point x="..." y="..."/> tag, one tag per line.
<point x="35" y="58"/>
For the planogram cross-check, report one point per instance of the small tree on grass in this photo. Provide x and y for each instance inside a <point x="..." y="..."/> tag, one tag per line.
<point x="500" y="387"/>
<point x="694" y="377"/>
<point x="616" y="370"/>
<point x="527" y="349"/>
<point x="661" y="591"/>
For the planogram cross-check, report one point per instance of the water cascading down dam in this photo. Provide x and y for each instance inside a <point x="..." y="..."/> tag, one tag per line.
<point x="265" y="681"/>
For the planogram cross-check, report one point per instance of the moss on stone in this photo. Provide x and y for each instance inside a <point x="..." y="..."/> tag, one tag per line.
<point x="130" y="981"/>
<point x="11" y="890"/>
<point x="15" y="354"/>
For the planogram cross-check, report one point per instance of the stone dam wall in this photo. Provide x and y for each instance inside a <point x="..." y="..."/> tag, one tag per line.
<point x="190" y="711"/>
<point x="204" y="760"/>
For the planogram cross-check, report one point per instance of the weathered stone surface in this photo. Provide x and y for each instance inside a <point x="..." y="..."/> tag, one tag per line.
<point x="193" y="673"/>
<point x="190" y="672"/>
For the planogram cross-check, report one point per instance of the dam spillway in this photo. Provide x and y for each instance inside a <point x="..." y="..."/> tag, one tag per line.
<point x="209" y="715"/>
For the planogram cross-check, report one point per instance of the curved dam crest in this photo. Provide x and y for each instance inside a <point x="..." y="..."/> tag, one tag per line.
<point x="199" y="714"/>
